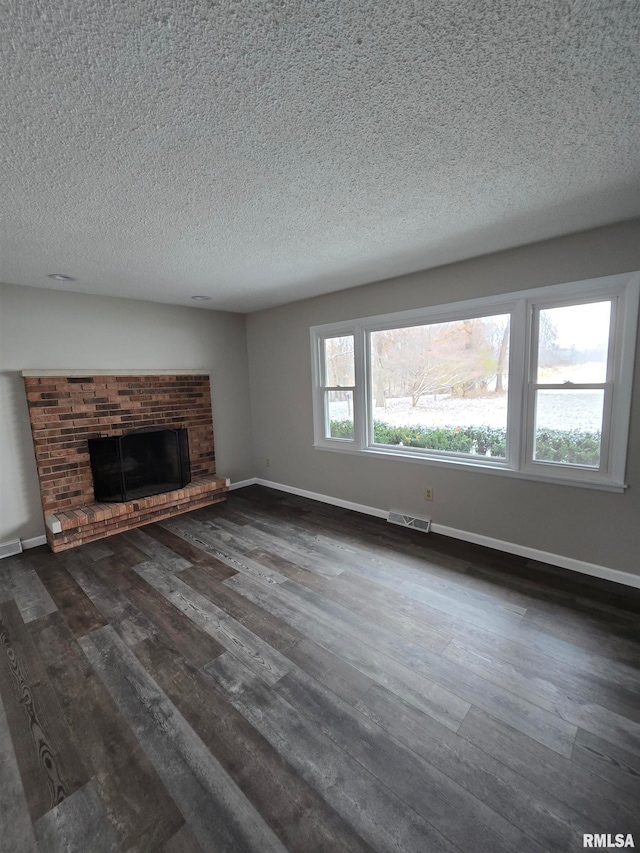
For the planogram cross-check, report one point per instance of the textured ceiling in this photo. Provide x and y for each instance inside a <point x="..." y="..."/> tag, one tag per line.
<point x="260" y="152"/>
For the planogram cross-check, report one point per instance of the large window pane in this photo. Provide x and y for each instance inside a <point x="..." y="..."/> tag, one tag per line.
<point x="339" y="361"/>
<point x="568" y="426"/>
<point x="339" y="409"/>
<point x="573" y="343"/>
<point x="442" y="386"/>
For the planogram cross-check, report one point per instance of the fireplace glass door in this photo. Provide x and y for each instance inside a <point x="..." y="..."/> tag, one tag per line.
<point x="139" y="464"/>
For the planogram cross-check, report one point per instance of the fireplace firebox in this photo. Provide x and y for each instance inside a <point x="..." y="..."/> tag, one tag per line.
<point x="139" y="464"/>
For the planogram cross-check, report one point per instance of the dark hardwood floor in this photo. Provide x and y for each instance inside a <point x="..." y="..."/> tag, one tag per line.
<point x="275" y="674"/>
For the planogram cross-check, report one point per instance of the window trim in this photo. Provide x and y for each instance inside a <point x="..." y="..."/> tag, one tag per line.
<point x="533" y="385"/>
<point x="624" y="292"/>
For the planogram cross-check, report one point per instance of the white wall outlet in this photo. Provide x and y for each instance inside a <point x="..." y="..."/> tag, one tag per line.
<point x="428" y="494"/>
<point x="267" y="463"/>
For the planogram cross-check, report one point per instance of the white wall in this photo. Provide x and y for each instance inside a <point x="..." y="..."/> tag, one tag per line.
<point x="591" y="526"/>
<point x="52" y="329"/>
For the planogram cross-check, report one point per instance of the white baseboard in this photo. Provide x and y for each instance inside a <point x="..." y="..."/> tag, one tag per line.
<point x="33" y="543"/>
<point x="242" y="483"/>
<point x="325" y="499"/>
<point x="570" y="563"/>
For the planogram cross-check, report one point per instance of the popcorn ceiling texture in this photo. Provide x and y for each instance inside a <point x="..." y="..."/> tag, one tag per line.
<point x="260" y="152"/>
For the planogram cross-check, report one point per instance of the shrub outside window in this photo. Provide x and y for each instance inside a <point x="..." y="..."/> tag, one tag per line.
<point x="534" y="384"/>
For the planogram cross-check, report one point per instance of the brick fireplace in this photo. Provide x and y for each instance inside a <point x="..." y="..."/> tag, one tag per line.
<point x="67" y="410"/>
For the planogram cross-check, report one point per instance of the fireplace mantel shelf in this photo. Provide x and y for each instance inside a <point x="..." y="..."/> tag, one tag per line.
<point x="172" y="371"/>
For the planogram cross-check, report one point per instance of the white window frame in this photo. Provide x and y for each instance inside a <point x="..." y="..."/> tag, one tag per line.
<point x="623" y="291"/>
<point x="324" y="388"/>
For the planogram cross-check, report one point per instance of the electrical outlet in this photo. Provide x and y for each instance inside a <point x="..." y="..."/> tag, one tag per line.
<point x="267" y="463"/>
<point x="428" y="494"/>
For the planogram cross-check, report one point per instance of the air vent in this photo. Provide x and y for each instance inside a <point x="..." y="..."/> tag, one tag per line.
<point x="413" y="521"/>
<point x="8" y="549"/>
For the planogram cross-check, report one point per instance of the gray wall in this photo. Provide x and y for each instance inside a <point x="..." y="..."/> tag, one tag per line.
<point x="594" y="526"/>
<point x="52" y="329"/>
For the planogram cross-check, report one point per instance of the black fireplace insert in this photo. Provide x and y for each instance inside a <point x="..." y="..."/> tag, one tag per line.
<point x="139" y="464"/>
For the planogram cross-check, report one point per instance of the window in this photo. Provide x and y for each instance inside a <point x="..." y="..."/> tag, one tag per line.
<point x="429" y="384"/>
<point x="338" y="385"/>
<point x="571" y="383"/>
<point x="534" y="384"/>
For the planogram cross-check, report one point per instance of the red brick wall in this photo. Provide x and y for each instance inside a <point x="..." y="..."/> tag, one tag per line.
<point x="98" y="520"/>
<point x="66" y="411"/>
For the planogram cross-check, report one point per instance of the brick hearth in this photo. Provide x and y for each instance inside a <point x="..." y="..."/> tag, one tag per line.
<point x="65" y="411"/>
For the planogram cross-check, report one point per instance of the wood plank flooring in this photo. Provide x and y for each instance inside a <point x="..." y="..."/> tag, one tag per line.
<point x="274" y="674"/>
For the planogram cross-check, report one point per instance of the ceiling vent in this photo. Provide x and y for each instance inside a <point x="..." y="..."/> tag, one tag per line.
<point x="413" y="521"/>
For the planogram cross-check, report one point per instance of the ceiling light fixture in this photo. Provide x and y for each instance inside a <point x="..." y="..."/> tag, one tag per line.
<point x="201" y="298"/>
<point x="58" y="276"/>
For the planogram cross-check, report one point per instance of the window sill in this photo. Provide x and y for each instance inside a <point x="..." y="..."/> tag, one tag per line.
<point x="480" y="466"/>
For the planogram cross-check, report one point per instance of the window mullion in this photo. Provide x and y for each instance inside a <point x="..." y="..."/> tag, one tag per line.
<point x="605" y="444"/>
<point x="572" y="386"/>
<point x="317" y="362"/>
<point x="516" y="415"/>
<point x="626" y="312"/>
<point x="337" y="387"/>
<point x="360" y="394"/>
